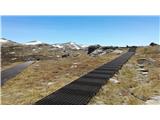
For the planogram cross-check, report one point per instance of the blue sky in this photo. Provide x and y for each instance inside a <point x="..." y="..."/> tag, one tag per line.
<point x="104" y="30"/>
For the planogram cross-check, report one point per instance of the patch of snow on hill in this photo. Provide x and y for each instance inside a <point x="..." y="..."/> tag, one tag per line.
<point x="57" y="46"/>
<point x="6" y="42"/>
<point x="36" y="42"/>
<point x="74" y="46"/>
<point x="3" y="40"/>
<point x="70" y="45"/>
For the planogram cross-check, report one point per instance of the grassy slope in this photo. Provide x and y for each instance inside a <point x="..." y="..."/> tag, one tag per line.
<point x="133" y="88"/>
<point x="44" y="77"/>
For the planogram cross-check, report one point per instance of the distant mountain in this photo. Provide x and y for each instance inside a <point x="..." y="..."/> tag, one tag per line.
<point x="69" y="45"/>
<point x="72" y="45"/>
<point x="34" y="42"/>
<point x="6" y="42"/>
<point x="3" y="40"/>
<point x="58" y="46"/>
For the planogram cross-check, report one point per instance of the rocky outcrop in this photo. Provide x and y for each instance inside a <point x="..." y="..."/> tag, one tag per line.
<point x="153" y="44"/>
<point x="93" y="48"/>
<point x="117" y="51"/>
<point x="96" y="50"/>
<point x="153" y="101"/>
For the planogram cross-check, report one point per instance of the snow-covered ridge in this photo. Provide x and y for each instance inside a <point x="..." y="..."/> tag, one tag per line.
<point x="35" y="42"/>
<point x="67" y="45"/>
<point x="3" y="40"/>
<point x="75" y="46"/>
<point x="70" y="45"/>
<point x="57" y="46"/>
<point x="6" y="42"/>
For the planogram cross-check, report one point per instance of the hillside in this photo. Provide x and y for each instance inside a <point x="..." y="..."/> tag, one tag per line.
<point x="138" y="82"/>
<point x="59" y="64"/>
<point x="12" y="52"/>
<point x="5" y="42"/>
<point x="44" y="77"/>
<point x="53" y="68"/>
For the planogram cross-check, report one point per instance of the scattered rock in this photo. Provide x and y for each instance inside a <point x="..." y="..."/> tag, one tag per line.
<point x="129" y="65"/>
<point x="142" y="70"/>
<point x="65" y="55"/>
<point x="144" y="73"/>
<point x="98" y="52"/>
<point x="93" y="48"/>
<point x="33" y="49"/>
<point x="141" y="65"/>
<point x="117" y="51"/>
<point x="124" y="92"/>
<point x="58" y="56"/>
<point x="151" y="60"/>
<point x="148" y="61"/>
<point x="12" y="53"/>
<point x="76" y="63"/>
<point x="36" y="65"/>
<point x="13" y="58"/>
<point x="113" y="80"/>
<point x="100" y="103"/>
<point x="73" y="66"/>
<point x="76" y="55"/>
<point x="153" y="100"/>
<point x="142" y="61"/>
<point x="115" y="75"/>
<point x="50" y="83"/>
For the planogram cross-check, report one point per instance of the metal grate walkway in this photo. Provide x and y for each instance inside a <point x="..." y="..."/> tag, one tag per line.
<point x="80" y="91"/>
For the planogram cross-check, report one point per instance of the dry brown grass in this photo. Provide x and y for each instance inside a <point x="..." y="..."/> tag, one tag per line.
<point x="45" y="77"/>
<point x="121" y="93"/>
<point x="131" y="90"/>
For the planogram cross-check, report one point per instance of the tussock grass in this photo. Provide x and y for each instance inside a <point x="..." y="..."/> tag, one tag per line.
<point x="45" y="77"/>
<point x="131" y="90"/>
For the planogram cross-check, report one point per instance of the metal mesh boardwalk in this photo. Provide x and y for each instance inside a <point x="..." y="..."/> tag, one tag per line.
<point x="80" y="91"/>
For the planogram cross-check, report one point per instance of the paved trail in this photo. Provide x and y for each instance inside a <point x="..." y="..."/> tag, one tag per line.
<point x="12" y="72"/>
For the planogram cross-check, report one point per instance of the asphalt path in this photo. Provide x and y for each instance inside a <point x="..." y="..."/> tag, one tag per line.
<point x="12" y="72"/>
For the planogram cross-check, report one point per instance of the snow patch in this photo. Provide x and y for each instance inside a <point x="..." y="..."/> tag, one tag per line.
<point x="33" y="43"/>
<point x="57" y="46"/>
<point x="70" y="45"/>
<point x="3" y="40"/>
